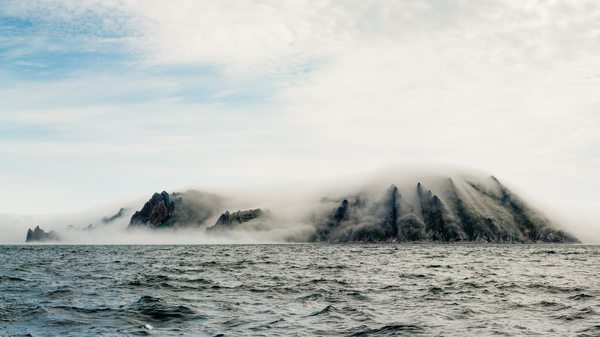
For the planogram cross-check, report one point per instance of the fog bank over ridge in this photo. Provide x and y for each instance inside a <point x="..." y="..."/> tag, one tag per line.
<point x="439" y="204"/>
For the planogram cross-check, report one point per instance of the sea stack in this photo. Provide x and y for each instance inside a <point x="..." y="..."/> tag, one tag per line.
<point x="39" y="235"/>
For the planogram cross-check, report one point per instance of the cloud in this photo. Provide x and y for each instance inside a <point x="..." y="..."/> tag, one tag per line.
<point x="201" y="92"/>
<point x="270" y="32"/>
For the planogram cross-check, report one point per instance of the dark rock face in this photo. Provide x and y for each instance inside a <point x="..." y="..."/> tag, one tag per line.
<point x="392" y="212"/>
<point x="469" y="213"/>
<point x="357" y="219"/>
<point x="156" y="212"/>
<point x="119" y="214"/>
<point x="439" y="222"/>
<point x="164" y="210"/>
<point x="528" y="225"/>
<point x="228" y="221"/>
<point x="39" y="235"/>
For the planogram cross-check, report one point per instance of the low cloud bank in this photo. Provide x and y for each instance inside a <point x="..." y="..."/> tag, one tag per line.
<point x="294" y="210"/>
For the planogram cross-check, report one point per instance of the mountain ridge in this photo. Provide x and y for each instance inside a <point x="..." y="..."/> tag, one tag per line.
<point x="440" y="205"/>
<point x="447" y="209"/>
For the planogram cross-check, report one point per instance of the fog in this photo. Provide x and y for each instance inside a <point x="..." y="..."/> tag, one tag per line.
<point x="291" y="209"/>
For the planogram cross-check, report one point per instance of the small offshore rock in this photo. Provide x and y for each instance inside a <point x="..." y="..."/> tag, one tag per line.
<point x="39" y="235"/>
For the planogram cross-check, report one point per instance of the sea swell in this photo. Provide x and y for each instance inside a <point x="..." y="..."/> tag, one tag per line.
<point x="297" y="290"/>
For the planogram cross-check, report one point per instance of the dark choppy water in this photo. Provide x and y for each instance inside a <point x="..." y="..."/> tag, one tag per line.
<point x="298" y="290"/>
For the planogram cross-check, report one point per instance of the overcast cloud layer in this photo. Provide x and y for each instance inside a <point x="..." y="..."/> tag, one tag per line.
<point x="104" y="100"/>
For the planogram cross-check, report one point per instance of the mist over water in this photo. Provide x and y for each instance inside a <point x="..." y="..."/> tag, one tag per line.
<point x="291" y="207"/>
<point x="298" y="290"/>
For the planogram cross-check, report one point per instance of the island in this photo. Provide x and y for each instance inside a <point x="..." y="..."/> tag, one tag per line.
<point x="440" y="208"/>
<point x="452" y="210"/>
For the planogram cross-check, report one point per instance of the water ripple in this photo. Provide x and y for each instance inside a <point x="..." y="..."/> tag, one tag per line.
<point x="297" y="290"/>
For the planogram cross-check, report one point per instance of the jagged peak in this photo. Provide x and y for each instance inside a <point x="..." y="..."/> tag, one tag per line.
<point x="454" y="208"/>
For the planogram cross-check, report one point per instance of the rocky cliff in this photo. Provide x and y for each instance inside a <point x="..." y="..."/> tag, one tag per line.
<point x="187" y="209"/>
<point x="39" y="235"/>
<point x="228" y="221"/>
<point x="456" y="211"/>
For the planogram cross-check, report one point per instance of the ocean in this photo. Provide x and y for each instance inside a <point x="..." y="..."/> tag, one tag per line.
<point x="300" y="290"/>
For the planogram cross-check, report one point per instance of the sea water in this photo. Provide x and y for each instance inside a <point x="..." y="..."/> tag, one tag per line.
<point x="300" y="290"/>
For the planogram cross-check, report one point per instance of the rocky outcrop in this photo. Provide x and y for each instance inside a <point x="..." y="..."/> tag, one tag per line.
<point x="164" y="210"/>
<point x="358" y="219"/>
<point x="156" y="212"/>
<point x="470" y="212"/>
<point x="228" y="221"/>
<point x="39" y="235"/>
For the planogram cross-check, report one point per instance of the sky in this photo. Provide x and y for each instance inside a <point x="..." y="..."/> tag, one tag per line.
<point x="104" y="100"/>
